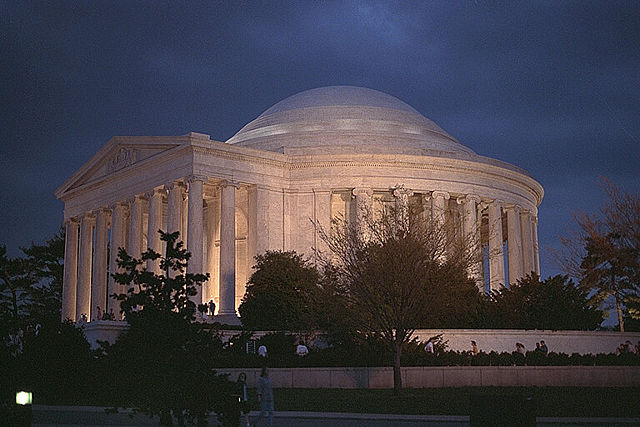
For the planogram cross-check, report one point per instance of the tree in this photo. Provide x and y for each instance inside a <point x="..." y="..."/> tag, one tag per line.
<point x="393" y="269"/>
<point x="14" y="284"/>
<point x="555" y="303"/>
<point x="603" y="254"/>
<point x="46" y="268"/>
<point x="31" y="285"/>
<point x="282" y="294"/>
<point x="162" y="364"/>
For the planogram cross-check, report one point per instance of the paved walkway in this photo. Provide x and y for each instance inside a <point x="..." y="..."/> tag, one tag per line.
<point x="96" y="416"/>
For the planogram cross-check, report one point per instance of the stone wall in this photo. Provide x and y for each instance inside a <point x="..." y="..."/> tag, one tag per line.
<point x="499" y="340"/>
<point x="456" y="376"/>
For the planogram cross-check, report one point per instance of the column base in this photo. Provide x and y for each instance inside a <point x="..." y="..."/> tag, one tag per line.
<point x="227" y="319"/>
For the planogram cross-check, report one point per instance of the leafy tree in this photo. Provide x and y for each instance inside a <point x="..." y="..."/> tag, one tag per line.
<point x="46" y="268"/>
<point x="603" y="254"/>
<point x="555" y="303"/>
<point x="393" y="271"/>
<point x="14" y="284"/>
<point x="162" y="364"/>
<point x="31" y="285"/>
<point x="282" y="294"/>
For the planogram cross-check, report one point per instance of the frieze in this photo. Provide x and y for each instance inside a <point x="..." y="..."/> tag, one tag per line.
<point x="123" y="158"/>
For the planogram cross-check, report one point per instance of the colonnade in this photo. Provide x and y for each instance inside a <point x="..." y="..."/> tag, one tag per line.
<point x="476" y="214"/>
<point x="93" y="241"/>
<point x="205" y="213"/>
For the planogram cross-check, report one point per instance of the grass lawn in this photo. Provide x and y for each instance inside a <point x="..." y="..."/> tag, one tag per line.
<point x="550" y="401"/>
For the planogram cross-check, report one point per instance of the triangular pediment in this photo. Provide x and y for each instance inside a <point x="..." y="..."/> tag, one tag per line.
<point x="119" y="154"/>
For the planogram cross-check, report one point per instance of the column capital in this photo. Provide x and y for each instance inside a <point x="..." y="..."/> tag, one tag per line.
<point x="174" y="184"/>
<point x="161" y="190"/>
<point x="444" y="194"/>
<point x="73" y="219"/>
<point x="119" y="204"/>
<point x="497" y="202"/>
<point x="512" y="206"/>
<point x="472" y="198"/>
<point x="400" y="191"/>
<point x="362" y="191"/>
<point x="228" y="183"/>
<point x="191" y="178"/>
<point x="89" y="215"/>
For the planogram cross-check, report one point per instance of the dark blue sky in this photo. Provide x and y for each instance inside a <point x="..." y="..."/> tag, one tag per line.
<point x="552" y="87"/>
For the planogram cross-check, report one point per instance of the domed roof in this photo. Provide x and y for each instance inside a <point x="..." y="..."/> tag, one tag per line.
<point x="338" y="119"/>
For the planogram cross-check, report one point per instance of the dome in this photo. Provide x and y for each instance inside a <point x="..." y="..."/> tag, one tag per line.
<point x="346" y="119"/>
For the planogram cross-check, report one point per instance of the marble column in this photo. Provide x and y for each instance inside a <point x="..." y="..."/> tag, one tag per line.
<point x="536" y="249"/>
<point x="136" y="210"/>
<point x="439" y="208"/>
<point x="322" y="217"/>
<point x="99" y="284"/>
<point x="155" y="224"/>
<point x="195" y="232"/>
<point x="118" y="235"/>
<point x="70" y="278"/>
<point x="213" y="251"/>
<point x="83" y="295"/>
<point x="402" y="195"/>
<point x="363" y="196"/>
<point x="496" y="251"/>
<point x="174" y="208"/>
<point x="228" y="250"/>
<point x="528" y="261"/>
<point x="471" y="236"/>
<point x="514" y="244"/>
<point x="252" y="226"/>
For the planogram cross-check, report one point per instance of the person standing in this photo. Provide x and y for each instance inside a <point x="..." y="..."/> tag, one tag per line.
<point x="543" y="348"/>
<point x="474" y="348"/>
<point x="243" y="399"/>
<point x="265" y="396"/>
<point x="429" y="347"/>
<point x="301" y="349"/>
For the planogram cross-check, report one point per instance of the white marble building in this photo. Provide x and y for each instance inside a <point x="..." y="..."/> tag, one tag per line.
<point x="317" y="154"/>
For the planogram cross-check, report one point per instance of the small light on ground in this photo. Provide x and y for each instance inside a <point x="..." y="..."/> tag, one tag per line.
<point x="23" y="398"/>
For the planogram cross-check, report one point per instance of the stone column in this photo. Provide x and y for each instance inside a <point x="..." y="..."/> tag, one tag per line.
<point x="174" y="208"/>
<point x="155" y="224"/>
<point x="528" y="262"/>
<point x="252" y="226"/>
<point x="471" y="236"/>
<point x="228" y="251"/>
<point x="322" y="216"/>
<point x="195" y="231"/>
<point x="439" y="208"/>
<point x="514" y="245"/>
<point x="99" y="285"/>
<point x="70" y="278"/>
<point x="83" y="295"/>
<point x="402" y="195"/>
<point x="363" y="197"/>
<point x="536" y="249"/>
<point x="118" y="233"/>
<point x="213" y="252"/>
<point x="136" y="210"/>
<point x="496" y="252"/>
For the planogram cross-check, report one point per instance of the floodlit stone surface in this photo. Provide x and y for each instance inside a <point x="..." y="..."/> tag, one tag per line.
<point x="299" y="161"/>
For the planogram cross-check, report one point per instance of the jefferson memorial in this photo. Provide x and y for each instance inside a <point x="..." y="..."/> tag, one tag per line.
<point x="313" y="156"/>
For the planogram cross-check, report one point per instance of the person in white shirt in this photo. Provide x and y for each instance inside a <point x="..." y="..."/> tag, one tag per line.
<point x="262" y="351"/>
<point x="429" y="347"/>
<point x="301" y="349"/>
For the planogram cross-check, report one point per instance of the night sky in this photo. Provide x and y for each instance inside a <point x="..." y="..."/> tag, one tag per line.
<point x="552" y="87"/>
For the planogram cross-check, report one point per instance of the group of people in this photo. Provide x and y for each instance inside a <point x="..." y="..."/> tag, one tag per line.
<point x="264" y="390"/>
<point x="104" y="315"/>
<point x="541" y="347"/>
<point x="627" y="347"/>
